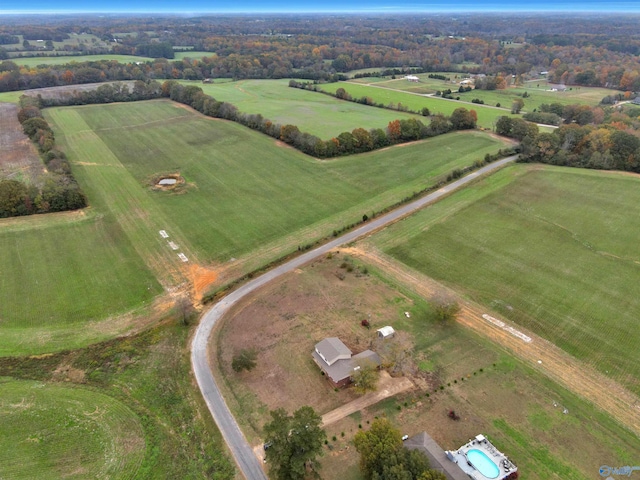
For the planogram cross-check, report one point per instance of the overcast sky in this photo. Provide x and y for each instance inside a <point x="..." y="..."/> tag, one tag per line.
<point x="277" y="6"/>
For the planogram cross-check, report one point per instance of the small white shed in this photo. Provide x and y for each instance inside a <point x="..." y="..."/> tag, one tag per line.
<point x="386" y="332"/>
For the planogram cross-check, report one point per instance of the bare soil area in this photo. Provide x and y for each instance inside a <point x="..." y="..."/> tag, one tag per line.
<point x="19" y="158"/>
<point x="284" y="321"/>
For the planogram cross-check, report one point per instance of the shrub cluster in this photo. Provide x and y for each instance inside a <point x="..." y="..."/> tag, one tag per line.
<point x="543" y="117"/>
<point x="515" y="128"/>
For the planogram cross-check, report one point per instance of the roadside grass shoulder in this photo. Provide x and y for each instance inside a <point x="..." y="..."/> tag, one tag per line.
<point x="571" y="278"/>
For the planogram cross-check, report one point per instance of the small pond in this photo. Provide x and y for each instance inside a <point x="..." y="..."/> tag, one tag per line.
<point x="167" y="181"/>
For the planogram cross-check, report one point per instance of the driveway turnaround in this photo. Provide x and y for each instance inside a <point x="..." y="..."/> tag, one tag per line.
<point x="248" y="463"/>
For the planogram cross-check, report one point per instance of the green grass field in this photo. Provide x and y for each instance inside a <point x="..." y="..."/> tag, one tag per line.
<point x="58" y="431"/>
<point x="551" y="249"/>
<point x="116" y="409"/>
<point x="63" y="59"/>
<point x="243" y="190"/>
<point x="538" y="95"/>
<point x="539" y="91"/>
<point x="312" y="112"/>
<point x="487" y="116"/>
<point x="61" y="276"/>
<point x="11" y="97"/>
<point x="245" y="197"/>
<point x="193" y="54"/>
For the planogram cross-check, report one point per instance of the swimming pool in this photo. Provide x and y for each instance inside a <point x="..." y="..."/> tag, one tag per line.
<point x="483" y="464"/>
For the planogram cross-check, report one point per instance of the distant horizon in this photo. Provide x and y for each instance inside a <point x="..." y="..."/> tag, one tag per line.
<point x="248" y="7"/>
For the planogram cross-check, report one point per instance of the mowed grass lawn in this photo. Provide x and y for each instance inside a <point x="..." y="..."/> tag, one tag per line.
<point x="487" y="116"/>
<point x="244" y="190"/>
<point x="315" y="113"/>
<point x="554" y="250"/>
<point x="58" y="431"/>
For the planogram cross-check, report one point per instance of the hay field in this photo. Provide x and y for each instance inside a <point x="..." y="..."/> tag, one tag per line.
<point x="315" y="113"/>
<point x="243" y="190"/>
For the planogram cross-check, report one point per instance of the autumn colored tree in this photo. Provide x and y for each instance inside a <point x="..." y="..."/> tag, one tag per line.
<point x="394" y="131"/>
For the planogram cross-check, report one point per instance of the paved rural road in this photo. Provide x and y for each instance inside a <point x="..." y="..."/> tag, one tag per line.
<point x="249" y="465"/>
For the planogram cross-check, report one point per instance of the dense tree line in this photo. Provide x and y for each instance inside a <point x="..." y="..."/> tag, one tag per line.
<point x="319" y="47"/>
<point x="57" y="190"/>
<point x="590" y="146"/>
<point x="106" y="93"/>
<point x="588" y="137"/>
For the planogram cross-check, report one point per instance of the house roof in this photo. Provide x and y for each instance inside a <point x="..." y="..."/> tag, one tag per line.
<point x="344" y="368"/>
<point x="332" y="349"/>
<point x="437" y="458"/>
<point x="365" y="357"/>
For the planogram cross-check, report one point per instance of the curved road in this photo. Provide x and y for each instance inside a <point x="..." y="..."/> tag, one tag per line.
<point x="249" y="464"/>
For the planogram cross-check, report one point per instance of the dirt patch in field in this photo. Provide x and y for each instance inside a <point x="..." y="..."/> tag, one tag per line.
<point x="19" y="158"/>
<point x="284" y="321"/>
<point x="66" y="373"/>
<point x="201" y="279"/>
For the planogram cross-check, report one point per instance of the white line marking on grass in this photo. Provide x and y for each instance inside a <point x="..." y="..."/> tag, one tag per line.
<point x="163" y="234"/>
<point x="173" y="246"/>
<point x="506" y="328"/>
<point x="183" y="257"/>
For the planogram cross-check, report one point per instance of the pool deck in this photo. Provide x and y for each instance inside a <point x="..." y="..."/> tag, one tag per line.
<point x="481" y="443"/>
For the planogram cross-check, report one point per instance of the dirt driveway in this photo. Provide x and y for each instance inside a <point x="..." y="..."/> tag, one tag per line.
<point x="387" y="387"/>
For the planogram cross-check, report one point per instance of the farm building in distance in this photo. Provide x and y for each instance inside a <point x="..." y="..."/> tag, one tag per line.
<point x="412" y="78"/>
<point x="336" y="361"/>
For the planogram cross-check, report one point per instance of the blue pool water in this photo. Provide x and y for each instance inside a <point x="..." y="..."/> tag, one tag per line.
<point x="483" y="464"/>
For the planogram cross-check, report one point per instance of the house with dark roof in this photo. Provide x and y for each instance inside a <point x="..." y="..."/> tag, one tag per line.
<point x="338" y="363"/>
<point x="436" y="455"/>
